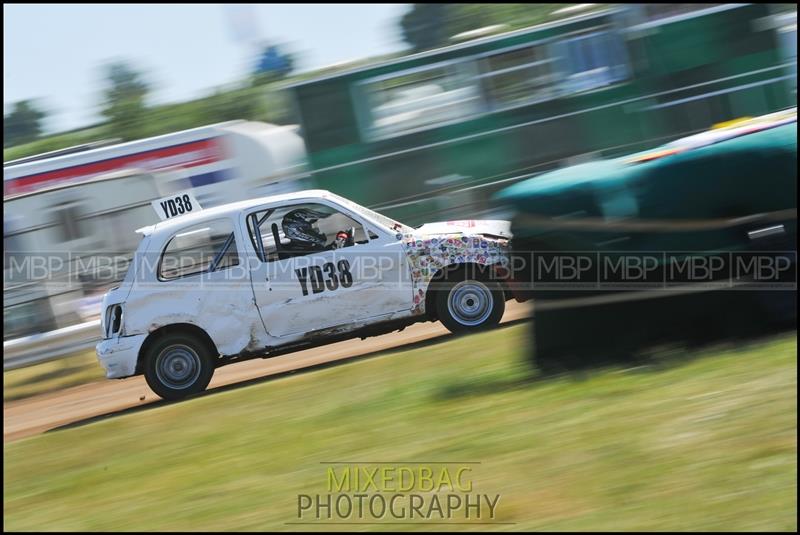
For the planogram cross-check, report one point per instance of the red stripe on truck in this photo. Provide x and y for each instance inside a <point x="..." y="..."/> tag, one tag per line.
<point x="207" y="151"/>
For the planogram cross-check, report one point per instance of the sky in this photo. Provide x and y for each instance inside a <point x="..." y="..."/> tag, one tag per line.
<point x="55" y="52"/>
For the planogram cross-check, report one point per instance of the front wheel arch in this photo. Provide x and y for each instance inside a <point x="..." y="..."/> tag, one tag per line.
<point x="458" y="270"/>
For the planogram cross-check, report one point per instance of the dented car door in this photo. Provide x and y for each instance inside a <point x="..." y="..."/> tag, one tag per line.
<point x="301" y="291"/>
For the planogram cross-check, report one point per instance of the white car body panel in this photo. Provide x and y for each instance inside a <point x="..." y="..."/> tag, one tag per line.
<point x="377" y="290"/>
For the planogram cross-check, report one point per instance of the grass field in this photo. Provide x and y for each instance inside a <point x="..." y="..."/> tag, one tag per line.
<point x="686" y="444"/>
<point x="50" y="376"/>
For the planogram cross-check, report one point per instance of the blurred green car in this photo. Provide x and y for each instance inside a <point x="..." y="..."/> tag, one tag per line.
<point x="681" y="196"/>
<point x="691" y="237"/>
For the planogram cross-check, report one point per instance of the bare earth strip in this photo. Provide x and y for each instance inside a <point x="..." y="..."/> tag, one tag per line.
<point x="38" y="414"/>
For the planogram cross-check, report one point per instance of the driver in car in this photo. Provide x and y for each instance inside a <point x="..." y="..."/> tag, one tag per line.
<point x="298" y="226"/>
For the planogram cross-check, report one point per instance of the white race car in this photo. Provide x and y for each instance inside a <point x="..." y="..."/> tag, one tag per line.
<point x="277" y="274"/>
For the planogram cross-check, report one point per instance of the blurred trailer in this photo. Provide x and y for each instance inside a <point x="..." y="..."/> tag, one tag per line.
<point x="66" y="243"/>
<point x="220" y="163"/>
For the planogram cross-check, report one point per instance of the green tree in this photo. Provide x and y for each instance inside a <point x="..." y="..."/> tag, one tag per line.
<point x="23" y="124"/>
<point x="423" y="25"/>
<point x="232" y="105"/>
<point x="124" y="101"/>
<point x="427" y="26"/>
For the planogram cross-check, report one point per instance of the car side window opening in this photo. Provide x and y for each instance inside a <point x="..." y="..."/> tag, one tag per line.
<point x="592" y="60"/>
<point x="459" y="90"/>
<point x="205" y="247"/>
<point x="302" y="229"/>
<point x="519" y="76"/>
<point x="422" y="98"/>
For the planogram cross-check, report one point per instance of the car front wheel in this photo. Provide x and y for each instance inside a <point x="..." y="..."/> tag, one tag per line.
<point x="177" y="366"/>
<point x="468" y="305"/>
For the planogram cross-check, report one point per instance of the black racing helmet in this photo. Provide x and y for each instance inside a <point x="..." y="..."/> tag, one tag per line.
<point x="298" y="227"/>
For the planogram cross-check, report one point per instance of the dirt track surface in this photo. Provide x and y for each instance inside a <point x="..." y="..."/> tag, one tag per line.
<point x="96" y="400"/>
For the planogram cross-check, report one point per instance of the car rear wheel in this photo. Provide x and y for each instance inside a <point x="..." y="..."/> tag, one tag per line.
<point x="177" y="366"/>
<point x="466" y="304"/>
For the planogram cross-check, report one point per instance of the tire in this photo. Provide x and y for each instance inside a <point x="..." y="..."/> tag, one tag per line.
<point x="178" y="365"/>
<point x="466" y="303"/>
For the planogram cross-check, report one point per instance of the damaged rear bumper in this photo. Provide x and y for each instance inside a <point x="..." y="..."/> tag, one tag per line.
<point x="118" y="355"/>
